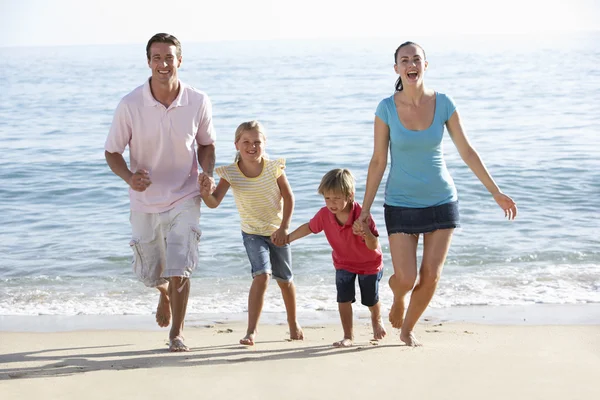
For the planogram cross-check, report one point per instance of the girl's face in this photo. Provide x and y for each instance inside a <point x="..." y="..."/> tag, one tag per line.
<point x="410" y="65"/>
<point x="251" y="146"/>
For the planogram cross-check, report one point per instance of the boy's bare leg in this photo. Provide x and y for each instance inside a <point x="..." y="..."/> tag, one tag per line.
<point x="179" y="291"/>
<point x="435" y="249"/>
<point x="346" y="317"/>
<point x="163" y="311"/>
<point x="404" y="258"/>
<point x="376" y="321"/>
<point x="288" y="292"/>
<point x="256" y="299"/>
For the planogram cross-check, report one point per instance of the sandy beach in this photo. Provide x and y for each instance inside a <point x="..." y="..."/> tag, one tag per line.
<point x="458" y="361"/>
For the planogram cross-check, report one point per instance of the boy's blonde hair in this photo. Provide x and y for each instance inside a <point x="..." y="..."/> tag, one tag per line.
<point x="253" y="125"/>
<point x="339" y="180"/>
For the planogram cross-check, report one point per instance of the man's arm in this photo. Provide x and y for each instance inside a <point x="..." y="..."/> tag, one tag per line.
<point x="138" y="181"/>
<point x="206" y="158"/>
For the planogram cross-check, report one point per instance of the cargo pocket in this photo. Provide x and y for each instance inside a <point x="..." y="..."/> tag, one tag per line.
<point x="138" y="263"/>
<point x="192" y="257"/>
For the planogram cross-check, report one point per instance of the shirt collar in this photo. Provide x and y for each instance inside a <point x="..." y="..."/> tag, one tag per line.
<point x="180" y="100"/>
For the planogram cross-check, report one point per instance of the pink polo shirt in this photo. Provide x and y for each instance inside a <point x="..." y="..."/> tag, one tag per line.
<point x="350" y="252"/>
<point x="163" y="141"/>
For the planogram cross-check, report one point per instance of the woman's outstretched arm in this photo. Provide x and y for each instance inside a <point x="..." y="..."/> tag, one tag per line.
<point x="474" y="162"/>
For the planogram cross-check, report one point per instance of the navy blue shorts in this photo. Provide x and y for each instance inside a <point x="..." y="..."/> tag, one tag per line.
<point x="421" y="220"/>
<point x="369" y="287"/>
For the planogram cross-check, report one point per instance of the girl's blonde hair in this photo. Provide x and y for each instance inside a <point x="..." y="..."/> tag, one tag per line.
<point x="253" y="125"/>
<point x="338" y="181"/>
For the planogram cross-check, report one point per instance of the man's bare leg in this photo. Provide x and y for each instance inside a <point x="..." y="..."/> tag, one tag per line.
<point x="376" y="321"/>
<point x="288" y="292"/>
<point x="179" y="291"/>
<point x="163" y="311"/>
<point x="404" y="258"/>
<point x="435" y="249"/>
<point x="345" y="310"/>
<point x="256" y="299"/>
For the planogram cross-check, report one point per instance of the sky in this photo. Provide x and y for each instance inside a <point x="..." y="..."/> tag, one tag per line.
<point x="87" y="22"/>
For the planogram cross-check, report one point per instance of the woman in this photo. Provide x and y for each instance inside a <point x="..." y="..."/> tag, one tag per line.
<point x="420" y="197"/>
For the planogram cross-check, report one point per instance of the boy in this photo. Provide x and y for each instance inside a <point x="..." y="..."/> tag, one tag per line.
<point x="356" y="250"/>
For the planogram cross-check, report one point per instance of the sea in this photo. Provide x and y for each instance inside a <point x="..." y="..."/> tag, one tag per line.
<point x="529" y="105"/>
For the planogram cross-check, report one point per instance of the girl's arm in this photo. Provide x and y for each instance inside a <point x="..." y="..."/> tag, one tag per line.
<point x="213" y="200"/>
<point x="279" y="236"/>
<point x="474" y="162"/>
<point x="376" y="166"/>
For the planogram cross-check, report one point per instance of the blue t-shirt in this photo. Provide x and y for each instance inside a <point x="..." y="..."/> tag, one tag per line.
<point x="418" y="175"/>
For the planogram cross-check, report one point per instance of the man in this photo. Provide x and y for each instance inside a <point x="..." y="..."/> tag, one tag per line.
<point x="163" y="122"/>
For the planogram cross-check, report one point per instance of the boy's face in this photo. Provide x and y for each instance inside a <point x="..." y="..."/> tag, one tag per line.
<point x="337" y="202"/>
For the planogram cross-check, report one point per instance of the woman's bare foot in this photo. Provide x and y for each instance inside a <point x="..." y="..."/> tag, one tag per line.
<point x="248" y="340"/>
<point x="296" y="332"/>
<point x="410" y="339"/>
<point x="397" y="313"/>
<point x="378" y="329"/>
<point x="163" y="311"/>
<point x="345" y="342"/>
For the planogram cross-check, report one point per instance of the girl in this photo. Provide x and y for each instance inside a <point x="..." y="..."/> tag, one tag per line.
<point x="265" y="203"/>
<point x="420" y="196"/>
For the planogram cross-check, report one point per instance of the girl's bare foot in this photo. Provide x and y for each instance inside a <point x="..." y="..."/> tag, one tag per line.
<point x="163" y="311"/>
<point x="410" y="339"/>
<point x="345" y="342"/>
<point x="296" y="332"/>
<point x="378" y="329"/>
<point x="248" y="340"/>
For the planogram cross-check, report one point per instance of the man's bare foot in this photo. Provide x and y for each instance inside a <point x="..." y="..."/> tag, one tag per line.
<point x="410" y="339"/>
<point x="176" y="345"/>
<point x="163" y="311"/>
<point x="378" y="329"/>
<point x="248" y="340"/>
<point x="296" y="332"/>
<point x="345" y="342"/>
<point x="397" y="313"/>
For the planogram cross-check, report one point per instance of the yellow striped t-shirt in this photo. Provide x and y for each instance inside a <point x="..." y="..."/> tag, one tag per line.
<point x="258" y="199"/>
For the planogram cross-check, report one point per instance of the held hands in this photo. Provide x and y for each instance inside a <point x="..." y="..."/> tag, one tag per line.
<point x="140" y="180"/>
<point x="280" y="237"/>
<point x="361" y="225"/>
<point x="507" y="204"/>
<point x="207" y="185"/>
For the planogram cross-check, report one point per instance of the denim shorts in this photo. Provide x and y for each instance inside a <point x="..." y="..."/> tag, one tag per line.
<point x="421" y="220"/>
<point x="369" y="287"/>
<point x="267" y="258"/>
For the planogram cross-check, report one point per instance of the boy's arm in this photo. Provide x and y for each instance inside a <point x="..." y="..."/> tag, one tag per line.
<point x="363" y="229"/>
<point x="371" y="240"/>
<point x="213" y="200"/>
<point x="299" y="233"/>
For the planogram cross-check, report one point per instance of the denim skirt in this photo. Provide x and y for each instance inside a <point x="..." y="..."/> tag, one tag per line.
<point x="421" y="220"/>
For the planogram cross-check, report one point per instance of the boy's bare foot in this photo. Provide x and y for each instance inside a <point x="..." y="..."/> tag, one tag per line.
<point x="397" y="313"/>
<point x="378" y="329"/>
<point x="343" y="343"/>
<point x="296" y="332"/>
<point x="176" y="345"/>
<point x="410" y="339"/>
<point x="163" y="311"/>
<point x="248" y="340"/>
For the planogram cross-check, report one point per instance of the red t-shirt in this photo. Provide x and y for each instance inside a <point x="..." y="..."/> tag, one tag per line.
<point x="350" y="251"/>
